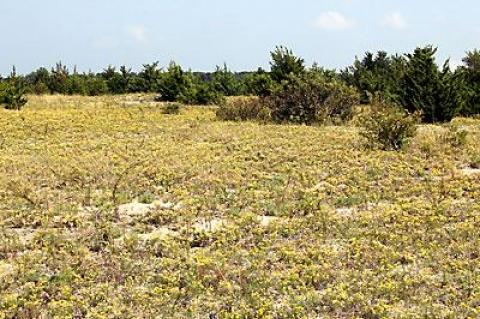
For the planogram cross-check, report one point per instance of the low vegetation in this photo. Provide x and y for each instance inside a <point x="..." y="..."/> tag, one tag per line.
<point x="144" y="204"/>
<point x="388" y="127"/>
<point x="244" y="109"/>
<point x="113" y="209"/>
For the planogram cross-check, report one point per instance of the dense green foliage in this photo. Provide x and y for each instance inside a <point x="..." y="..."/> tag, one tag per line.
<point x="414" y="81"/>
<point x="311" y="98"/>
<point x="284" y="64"/>
<point x="175" y="85"/>
<point x="12" y="92"/>
<point x="376" y="74"/>
<point x="259" y="83"/>
<point x="471" y="75"/>
<point x="437" y="94"/>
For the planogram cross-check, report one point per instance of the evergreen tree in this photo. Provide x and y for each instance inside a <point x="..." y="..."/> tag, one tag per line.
<point x="470" y="72"/>
<point x="115" y="81"/>
<point x="378" y="74"/>
<point x="124" y="79"/>
<point x="225" y="82"/>
<point x="95" y="85"/>
<point x="38" y="81"/>
<point x="176" y="84"/>
<point x="58" y="79"/>
<point x="12" y="92"/>
<point x="259" y="83"/>
<point x="284" y="63"/>
<point x="150" y="75"/>
<point x="427" y="89"/>
<point x="76" y="84"/>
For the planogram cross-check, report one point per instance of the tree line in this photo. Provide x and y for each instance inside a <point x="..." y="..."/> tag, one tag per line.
<point x="414" y="81"/>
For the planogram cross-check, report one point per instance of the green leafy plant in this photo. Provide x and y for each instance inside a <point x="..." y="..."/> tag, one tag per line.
<point x="388" y="127"/>
<point x="437" y="94"/>
<point x="311" y="98"/>
<point x="204" y="93"/>
<point x="172" y="108"/>
<point x="470" y="73"/>
<point x="284" y="64"/>
<point x="455" y="136"/>
<point x="224" y="82"/>
<point x="259" y="83"/>
<point x="12" y="93"/>
<point x="176" y="85"/>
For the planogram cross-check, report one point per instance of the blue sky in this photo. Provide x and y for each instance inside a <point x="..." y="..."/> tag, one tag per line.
<point x="200" y="34"/>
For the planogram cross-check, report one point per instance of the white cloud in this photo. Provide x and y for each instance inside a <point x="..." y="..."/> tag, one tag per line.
<point x="333" y="20"/>
<point x="395" y="21"/>
<point x="138" y="33"/>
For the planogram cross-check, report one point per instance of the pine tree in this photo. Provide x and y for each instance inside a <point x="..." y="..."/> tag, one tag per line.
<point x="376" y="75"/>
<point x="284" y="63"/>
<point x="151" y="75"/>
<point x="58" y="79"/>
<point x="12" y="94"/>
<point x="176" y="84"/>
<point x="437" y="94"/>
<point x="470" y="72"/>
<point x="225" y="82"/>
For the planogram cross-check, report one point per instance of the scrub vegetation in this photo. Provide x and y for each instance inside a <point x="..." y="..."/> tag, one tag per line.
<point x="113" y="209"/>
<point x="295" y="193"/>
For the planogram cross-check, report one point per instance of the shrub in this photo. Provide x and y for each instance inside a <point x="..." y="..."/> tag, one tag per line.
<point x="259" y="83"/>
<point x="95" y="85"/>
<point x="388" y="127"/>
<point x="150" y="76"/>
<point x="12" y="93"/>
<point x="76" y="85"/>
<point x="224" y="81"/>
<point x="376" y="74"/>
<point x="455" y="136"/>
<point x="175" y="84"/>
<point x="172" y="108"/>
<point x="243" y="109"/>
<point x="310" y="98"/>
<point x="204" y="94"/>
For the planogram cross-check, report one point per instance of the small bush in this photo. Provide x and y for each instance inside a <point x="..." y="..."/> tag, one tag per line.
<point x="388" y="127"/>
<point x="12" y="94"/>
<point x="243" y="109"/>
<point x="176" y="85"/>
<point x="475" y="162"/>
<point x="311" y="98"/>
<point x="172" y="108"/>
<point x="205" y="94"/>
<point x="455" y="136"/>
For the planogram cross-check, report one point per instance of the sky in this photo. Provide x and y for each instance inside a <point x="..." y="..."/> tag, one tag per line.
<point x="200" y="34"/>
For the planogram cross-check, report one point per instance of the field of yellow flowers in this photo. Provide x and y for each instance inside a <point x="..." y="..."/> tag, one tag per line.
<point x="110" y="208"/>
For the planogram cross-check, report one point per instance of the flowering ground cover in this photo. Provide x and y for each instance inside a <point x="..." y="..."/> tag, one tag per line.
<point x="110" y="208"/>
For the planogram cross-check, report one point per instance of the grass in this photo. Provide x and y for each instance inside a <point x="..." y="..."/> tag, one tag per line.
<point x="229" y="220"/>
